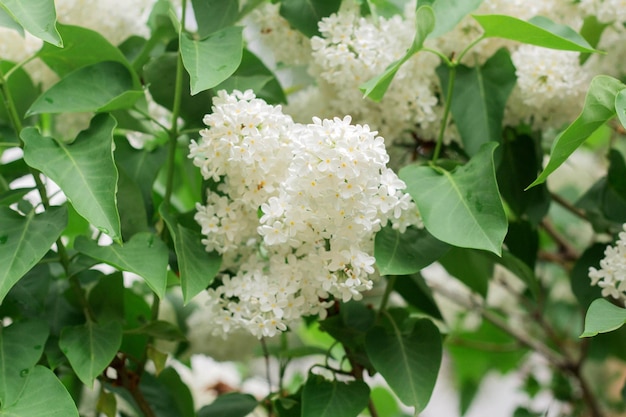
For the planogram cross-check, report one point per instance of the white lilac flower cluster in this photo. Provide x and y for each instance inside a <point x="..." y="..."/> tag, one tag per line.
<point x="353" y="49"/>
<point x="611" y="276"/>
<point x="293" y="213"/>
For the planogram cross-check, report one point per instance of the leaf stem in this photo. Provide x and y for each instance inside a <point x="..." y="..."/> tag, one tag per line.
<point x="446" y="112"/>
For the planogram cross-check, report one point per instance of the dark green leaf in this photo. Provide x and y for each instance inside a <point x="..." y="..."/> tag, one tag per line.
<point x="197" y="267"/>
<point x="211" y="60"/>
<point x="90" y="187"/>
<point x="145" y="255"/>
<point x="539" y="31"/>
<point x="160" y="330"/>
<point x="230" y="405"/>
<point x="581" y="283"/>
<point x="376" y="87"/>
<point x="104" y="86"/>
<point x="416" y="292"/>
<point x="463" y="207"/>
<point x="90" y="348"/>
<point x="522" y="240"/>
<point x="43" y="395"/>
<point x="167" y="395"/>
<point x="599" y="107"/>
<point x="25" y="240"/>
<point x="13" y="196"/>
<point x="21" y="89"/>
<point x="406" y="253"/>
<point x="304" y="15"/>
<point x="323" y="398"/>
<point x="21" y="346"/>
<point x="408" y="362"/>
<point x="213" y="15"/>
<point x="130" y="204"/>
<point x="603" y="317"/>
<point x="253" y="70"/>
<point x="479" y="97"/>
<point x="106" y="298"/>
<point x="36" y="16"/>
<point x="472" y="267"/>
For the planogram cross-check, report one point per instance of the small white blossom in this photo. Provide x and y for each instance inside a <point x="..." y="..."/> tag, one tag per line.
<point x="611" y="276"/>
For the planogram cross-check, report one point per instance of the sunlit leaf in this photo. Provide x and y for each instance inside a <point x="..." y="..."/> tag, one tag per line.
<point x="89" y="186"/>
<point x="462" y="207"/>
<point x="599" y="107"/>
<point x="603" y="317"/>
<point x="104" y="86"/>
<point x="24" y="240"/>
<point x="211" y="60"/>
<point x="539" y="31"/>
<point x="36" y="16"/>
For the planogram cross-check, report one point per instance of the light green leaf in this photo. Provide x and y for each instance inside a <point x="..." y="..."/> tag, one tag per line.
<point x="462" y="207"/>
<point x="89" y="186"/>
<point x="323" y="398"/>
<point x="479" y="97"/>
<point x="599" y="108"/>
<point x="376" y="87"/>
<point x="304" y="15"/>
<point x="21" y="347"/>
<point x="408" y="362"/>
<point x="406" y="253"/>
<point x="43" y="395"/>
<point x="603" y="317"/>
<point x="448" y="13"/>
<point x="211" y="60"/>
<point x="197" y="267"/>
<point x="539" y="31"/>
<point x="104" y="86"/>
<point x="90" y="348"/>
<point x="620" y="106"/>
<point x="230" y="405"/>
<point x="36" y="16"/>
<point x="213" y="15"/>
<point x="83" y="47"/>
<point x="145" y="255"/>
<point x="24" y="240"/>
<point x="7" y="21"/>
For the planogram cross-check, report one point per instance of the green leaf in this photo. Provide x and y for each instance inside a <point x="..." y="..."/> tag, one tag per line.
<point x="21" y="88"/>
<point x="213" y="15"/>
<point x="253" y="69"/>
<point x="36" y="16"/>
<point x="90" y="348"/>
<point x="104" y="86"/>
<point x="376" y="87"/>
<point x="463" y="207"/>
<point x="620" y="106"/>
<point x="599" y="107"/>
<point x="211" y="60"/>
<point x="145" y="255"/>
<point x="160" y="330"/>
<point x="304" y="15"/>
<point x="160" y="75"/>
<point x="197" y="267"/>
<point x="106" y="298"/>
<point x="479" y="97"/>
<point x="579" y="277"/>
<point x="416" y="292"/>
<point x="130" y="204"/>
<point x="323" y="398"/>
<point x="21" y="347"/>
<point x="538" y="31"/>
<point x="43" y="395"/>
<point x="470" y="266"/>
<point x="25" y="240"/>
<point x="89" y="186"/>
<point x="82" y="47"/>
<point x="448" y="13"/>
<point x="603" y="317"/>
<point x="408" y="362"/>
<point x="7" y="21"/>
<point x="234" y="404"/>
<point x="406" y="253"/>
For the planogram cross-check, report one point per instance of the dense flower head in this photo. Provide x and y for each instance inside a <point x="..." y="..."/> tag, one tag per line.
<point x="611" y="276"/>
<point x="294" y="211"/>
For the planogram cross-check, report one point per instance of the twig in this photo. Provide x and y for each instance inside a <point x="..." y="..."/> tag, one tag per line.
<point x="569" y="206"/>
<point x="569" y="251"/>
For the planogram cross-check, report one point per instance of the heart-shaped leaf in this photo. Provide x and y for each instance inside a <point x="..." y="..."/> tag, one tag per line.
<point x="36" y="16"/>
<point x="323" y="398"/>
<point x="603" y="317"/>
